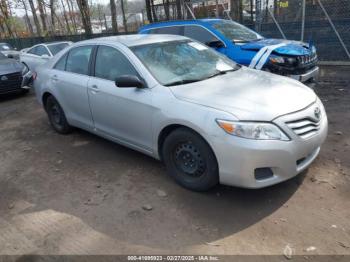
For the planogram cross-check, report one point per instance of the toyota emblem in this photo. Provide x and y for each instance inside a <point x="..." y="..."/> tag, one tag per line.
<point x="317" y="113"/>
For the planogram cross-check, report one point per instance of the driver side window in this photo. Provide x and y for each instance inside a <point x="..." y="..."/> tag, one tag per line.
<point x="111" y="63"/>
<point x="200" y="34"/>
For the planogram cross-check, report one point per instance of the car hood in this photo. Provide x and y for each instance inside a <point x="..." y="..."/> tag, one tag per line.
<point x="8" y="66"/>
<point x="291" y="47"/>
<point x="248" y="94"/>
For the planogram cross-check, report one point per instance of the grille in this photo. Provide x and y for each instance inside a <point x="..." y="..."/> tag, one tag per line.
<point x="307" y="59"/>
<point x="305" y="127"/>
<point x="12" y="83"/>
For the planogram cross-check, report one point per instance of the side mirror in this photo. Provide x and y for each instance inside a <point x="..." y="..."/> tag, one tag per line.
<point x="45" y="56"/>
<point x="215" y="44"/>
<point x="125" y="81"/>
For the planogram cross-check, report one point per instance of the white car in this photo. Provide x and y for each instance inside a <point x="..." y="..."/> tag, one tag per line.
<point x="39" y="54"/>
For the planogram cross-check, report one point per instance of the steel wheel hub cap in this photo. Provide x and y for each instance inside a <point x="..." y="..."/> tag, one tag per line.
<point x="189" y="160"/>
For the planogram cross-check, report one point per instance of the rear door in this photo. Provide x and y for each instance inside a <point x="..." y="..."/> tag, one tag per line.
<point x="69" y="78"/>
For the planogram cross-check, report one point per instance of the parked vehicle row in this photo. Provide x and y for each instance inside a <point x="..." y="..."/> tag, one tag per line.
<point x="208" y="118"/>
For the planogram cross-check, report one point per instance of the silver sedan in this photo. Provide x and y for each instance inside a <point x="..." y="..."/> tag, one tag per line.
<point x="41" y="53"/>
<point x="210" y="120"/>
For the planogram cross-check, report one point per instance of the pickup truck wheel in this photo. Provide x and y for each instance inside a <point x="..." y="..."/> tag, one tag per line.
<point x="190" y="160"/>
<point x="56" y="116"/>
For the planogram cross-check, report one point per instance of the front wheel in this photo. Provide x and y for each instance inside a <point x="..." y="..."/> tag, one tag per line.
<point x="190" y="160"/>
<point x="56" y="116"/>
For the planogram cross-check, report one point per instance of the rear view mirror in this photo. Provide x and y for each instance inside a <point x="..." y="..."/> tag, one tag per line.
<point x="215" y="44"/>
<point x="129" y="81"/>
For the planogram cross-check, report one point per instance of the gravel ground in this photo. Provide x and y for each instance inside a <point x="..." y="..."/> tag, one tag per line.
<point x="80" y="194"/>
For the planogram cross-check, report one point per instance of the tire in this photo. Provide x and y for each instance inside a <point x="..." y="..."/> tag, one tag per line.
<point x="56" y="116"/>
<point x="190" y="160"/>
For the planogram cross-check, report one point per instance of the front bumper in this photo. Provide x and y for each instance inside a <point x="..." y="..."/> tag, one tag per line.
<point x="238" y="158"/>
<point x="311" y="74"/>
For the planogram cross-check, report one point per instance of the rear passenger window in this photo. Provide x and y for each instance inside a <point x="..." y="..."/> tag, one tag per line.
<point x="200" y="34"/>
<point x="111" y="63"/>
<point x="61" y="64"/>
<point x="78" y="60"/>
<point x="32" y="50"/>
<point x="41" y="50"/>
<point x="169" y="30"/>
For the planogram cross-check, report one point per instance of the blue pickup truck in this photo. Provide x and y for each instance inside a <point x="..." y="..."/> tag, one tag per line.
<point x="294" y="59"/>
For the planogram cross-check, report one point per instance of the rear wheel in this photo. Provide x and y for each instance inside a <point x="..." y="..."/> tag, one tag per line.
<point x="56" y="116"/>
<point x="190" y="160"/>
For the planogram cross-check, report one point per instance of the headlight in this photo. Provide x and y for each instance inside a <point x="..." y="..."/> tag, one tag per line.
<point x="277" y="59"/>
<point x="253" y="130"/>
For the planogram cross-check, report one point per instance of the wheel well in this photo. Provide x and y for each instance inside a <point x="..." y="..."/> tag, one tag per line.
<point x="166" y="131"/>
<point x="46" y="95"/>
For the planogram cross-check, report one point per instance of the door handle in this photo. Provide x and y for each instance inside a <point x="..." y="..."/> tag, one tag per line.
<point x="54" y="78"/>
<point x="94" y="89"/>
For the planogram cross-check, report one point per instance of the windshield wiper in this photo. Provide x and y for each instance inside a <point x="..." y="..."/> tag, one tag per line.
<point x="220" y="73"/>
<point x="246" y="41"/>
<point x="182" y="82"/>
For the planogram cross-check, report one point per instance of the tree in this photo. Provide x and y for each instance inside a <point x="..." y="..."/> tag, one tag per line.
<point x="35" y="17"/>
<point x="124" y="17"/>
<point x="53" y="14"/>
<point x="155" y="18"/>
<point x="65" y="18"/>
<point x="114" y="16"/>
<point x="178" y="9"/>
<point x="236" y="10"/>
<point x="84" y="9"/>
<point x="41" y="8"/>
<point x="166" y="9"/>
<point x="72" y="14"/>
<point x="4" y="8"/>
<point x="29" y="24"/>
<point x="148" y="11"/>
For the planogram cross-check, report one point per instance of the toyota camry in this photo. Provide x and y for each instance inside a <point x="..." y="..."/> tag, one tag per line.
<point x="209" y="119"/>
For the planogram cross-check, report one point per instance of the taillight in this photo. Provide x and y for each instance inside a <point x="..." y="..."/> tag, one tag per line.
<point x="34" y="75"/>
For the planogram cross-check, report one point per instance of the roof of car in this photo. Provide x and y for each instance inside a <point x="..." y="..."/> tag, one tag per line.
<point x="55" y="42"/>
<point x="182" y="22"/>
<point x="135" y="40"/>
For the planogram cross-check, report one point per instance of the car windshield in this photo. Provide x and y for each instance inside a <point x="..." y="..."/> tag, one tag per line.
<point x="182" y="62"/>
<point x="236" y="32"/>
<point x="55" y="48"/>
<point x="5" y="47"/>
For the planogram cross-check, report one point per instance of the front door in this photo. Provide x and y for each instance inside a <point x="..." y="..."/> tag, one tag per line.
<point x="122" y="113"/>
